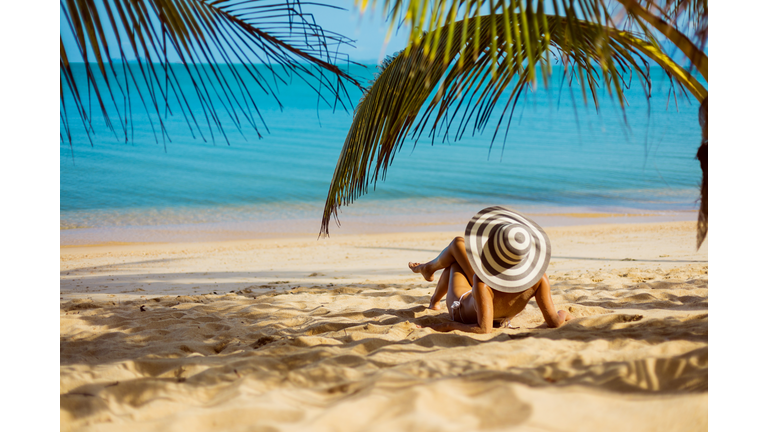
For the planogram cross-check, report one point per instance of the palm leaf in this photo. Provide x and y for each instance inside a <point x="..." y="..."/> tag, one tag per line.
<point x="693" y="52"/>
<point x="685" y="15"/>
<point x="466" y="89"/>
<point x="219" y="43"/>
<point x="676" y="20"/>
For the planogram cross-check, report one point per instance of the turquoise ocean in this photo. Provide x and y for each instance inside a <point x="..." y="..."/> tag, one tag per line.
<point x="560" y="157"/>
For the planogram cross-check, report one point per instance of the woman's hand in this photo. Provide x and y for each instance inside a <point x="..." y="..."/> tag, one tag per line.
<point x="507" y="323"/>
<point x="564" y="316"/>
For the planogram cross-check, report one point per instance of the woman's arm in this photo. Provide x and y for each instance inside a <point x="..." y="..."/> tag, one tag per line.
<point x="483" y="296"/>
<point x="547" y="306"/>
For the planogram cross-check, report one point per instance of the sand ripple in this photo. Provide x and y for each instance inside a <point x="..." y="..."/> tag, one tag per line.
<point x="353" y="357"/>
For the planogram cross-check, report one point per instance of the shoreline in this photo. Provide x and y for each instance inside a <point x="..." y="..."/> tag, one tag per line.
<point x="297" y="261"/>
<point x="351" y="225"/>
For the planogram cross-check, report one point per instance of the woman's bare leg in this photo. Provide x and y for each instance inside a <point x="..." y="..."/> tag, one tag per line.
<point x="454" y="253"/>
<point x="440" y="290"/>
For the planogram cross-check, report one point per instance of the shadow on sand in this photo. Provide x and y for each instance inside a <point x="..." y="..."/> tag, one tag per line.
<point x="329" y="340"/>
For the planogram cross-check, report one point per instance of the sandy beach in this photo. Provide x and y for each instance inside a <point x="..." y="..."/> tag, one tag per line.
<point x="303" y="334"/>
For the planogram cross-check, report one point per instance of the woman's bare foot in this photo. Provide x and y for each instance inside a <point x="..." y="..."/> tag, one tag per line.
<point x="434" y="306"/>
<point x="421" y="268"/>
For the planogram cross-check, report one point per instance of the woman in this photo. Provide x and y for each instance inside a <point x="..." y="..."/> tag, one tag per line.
<point x="493" y="274"/>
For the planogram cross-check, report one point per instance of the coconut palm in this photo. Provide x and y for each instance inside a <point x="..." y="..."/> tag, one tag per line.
<point x="127" y="47"/>
<point x="463" y="54"/>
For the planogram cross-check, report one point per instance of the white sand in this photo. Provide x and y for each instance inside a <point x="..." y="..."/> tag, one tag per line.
<point x="308" y="334"/>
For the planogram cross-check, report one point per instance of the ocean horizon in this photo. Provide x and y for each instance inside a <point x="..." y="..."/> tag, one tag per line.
<point x="560" y="158"/>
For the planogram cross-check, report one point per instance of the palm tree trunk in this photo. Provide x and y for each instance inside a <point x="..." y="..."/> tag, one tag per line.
<point x="701" y="155"/>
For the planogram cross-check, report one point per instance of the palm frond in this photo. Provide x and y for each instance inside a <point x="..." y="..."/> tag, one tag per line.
<point x="689" y="16"/>
<point x="677" y="20"/>
<point x="644" y="15"/>
<point x="217" y="42"/>
<point x="467" y="88"/>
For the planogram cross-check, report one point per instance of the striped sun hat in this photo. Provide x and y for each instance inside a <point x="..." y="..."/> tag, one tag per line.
<point x="507" y="251"/>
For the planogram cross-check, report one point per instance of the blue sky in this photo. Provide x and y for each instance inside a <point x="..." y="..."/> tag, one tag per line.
<point x="368" y="30"/>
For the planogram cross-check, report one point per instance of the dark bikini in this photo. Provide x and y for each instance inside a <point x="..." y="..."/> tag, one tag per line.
<point x="457" y="306"/>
